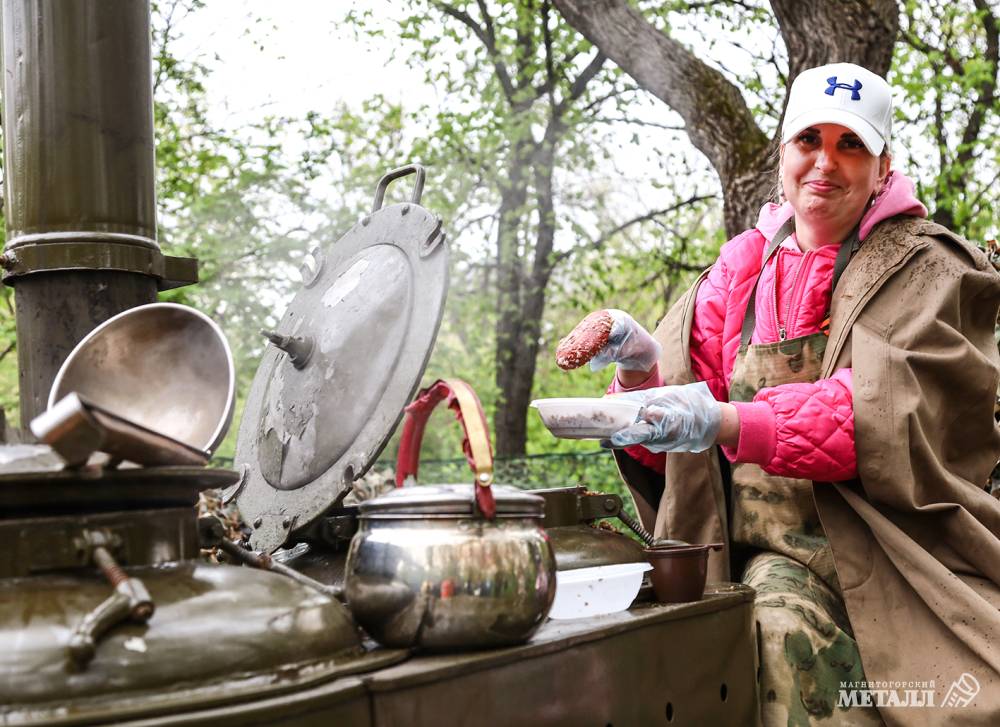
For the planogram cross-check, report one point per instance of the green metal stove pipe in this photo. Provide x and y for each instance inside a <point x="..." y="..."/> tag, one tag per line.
<point x="80" y="201"/>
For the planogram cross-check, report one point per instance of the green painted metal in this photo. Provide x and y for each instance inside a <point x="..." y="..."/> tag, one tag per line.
<point x="691" y="664"/>
<point x="687" y="665"/>
<point x="169" y="272"/>
<point x="585" y="546"/>
<point x="79" y="176"/>
<point x="54" y="311"/>
<point x="78" y="122"/>
<point x="92" y="490"/>
<point x="571" y="520"/>
<point x="57" y="543"/>
<point x="220" y="635"/>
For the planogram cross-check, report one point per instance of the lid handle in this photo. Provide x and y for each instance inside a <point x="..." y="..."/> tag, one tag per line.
<point x="462" y="400"/>
<point x="383" y="184"/>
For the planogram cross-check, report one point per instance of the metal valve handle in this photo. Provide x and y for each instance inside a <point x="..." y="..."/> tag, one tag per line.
<point x="130" y="601"/>
<point x="383" y="184"/>
<point x="462" y="400"/>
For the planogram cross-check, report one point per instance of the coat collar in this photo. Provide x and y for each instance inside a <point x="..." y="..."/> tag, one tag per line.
<point x="886" y="249"/>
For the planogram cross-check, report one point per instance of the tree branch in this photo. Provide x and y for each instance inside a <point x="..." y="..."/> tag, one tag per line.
<point x="713" y="3"/>
<point x="487" y="37"/>
<point x="548" y="87"/>
<point x="986" y="90"/>
<point x="863" y="32"/>
<point x="718" y="121"/>
<point x="600" y="241"/>
<point x="710" y="105"/>
<point x="638" y="122"/>
<point x="596" y="103"/>
<point x="918" y="43"/>
<point x="586" y="76"/>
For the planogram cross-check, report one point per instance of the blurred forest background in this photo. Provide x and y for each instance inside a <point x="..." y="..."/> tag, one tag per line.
<point x="582" y="153"/>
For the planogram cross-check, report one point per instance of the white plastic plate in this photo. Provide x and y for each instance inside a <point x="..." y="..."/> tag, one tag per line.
<point x="595" y="591"/>
<point x="586" y="417"/>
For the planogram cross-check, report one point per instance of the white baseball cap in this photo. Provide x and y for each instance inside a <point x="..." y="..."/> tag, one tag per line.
<point x="844" y="94"/>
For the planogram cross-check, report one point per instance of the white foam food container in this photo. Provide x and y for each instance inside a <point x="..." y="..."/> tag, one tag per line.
<point x="584" y="417"/>
<point x="595" y="591"/>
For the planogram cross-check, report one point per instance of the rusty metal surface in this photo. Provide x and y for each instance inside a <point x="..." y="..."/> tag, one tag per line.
<point x="163" y="366"/>
<point x="371" y="311"/>
<point x="691" y="664"/>
<point x="220" y="635"/>
<point x="100" y="490"/>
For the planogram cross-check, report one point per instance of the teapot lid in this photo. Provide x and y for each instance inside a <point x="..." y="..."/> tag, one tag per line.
<point x="429" y="501"/>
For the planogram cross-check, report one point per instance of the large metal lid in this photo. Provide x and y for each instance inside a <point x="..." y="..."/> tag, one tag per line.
<point x="347" y="357"/>
<point x="450" y="501"/>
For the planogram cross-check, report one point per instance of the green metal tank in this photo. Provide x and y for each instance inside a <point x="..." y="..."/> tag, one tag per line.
<point x="109" y="611"/>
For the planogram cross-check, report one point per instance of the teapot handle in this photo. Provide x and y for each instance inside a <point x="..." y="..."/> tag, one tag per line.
<point x="461" y="399"/>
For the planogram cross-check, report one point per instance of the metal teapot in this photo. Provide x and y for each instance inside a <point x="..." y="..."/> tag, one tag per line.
<point x="450" y="566"/>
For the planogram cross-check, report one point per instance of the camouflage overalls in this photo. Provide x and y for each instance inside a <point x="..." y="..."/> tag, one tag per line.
<point x="804" y="637"/>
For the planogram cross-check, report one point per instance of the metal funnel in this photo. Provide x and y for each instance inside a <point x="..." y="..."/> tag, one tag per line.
<point x="163" y="366"/>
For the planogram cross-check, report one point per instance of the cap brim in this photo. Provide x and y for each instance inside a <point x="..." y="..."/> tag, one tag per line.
<point x="867" y="133"/>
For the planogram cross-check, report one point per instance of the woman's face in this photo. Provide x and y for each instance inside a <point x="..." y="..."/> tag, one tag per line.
<point x="829" y="175"/>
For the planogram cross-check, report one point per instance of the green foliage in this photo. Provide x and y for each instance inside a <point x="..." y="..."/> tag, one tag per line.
<point x="740" y="39"/>
<point x="529" y="112"/>
<point x="949" y="120"/>
<point x="512" y="121"/>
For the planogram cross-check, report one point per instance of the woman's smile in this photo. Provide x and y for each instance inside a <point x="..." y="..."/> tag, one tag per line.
<point x="821" y="186"/>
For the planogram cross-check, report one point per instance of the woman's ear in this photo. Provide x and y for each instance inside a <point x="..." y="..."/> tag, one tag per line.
<point x="884" y="163"/>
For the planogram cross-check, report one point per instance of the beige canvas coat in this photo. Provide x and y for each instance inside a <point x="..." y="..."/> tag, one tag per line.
<point x="916" y="539"/>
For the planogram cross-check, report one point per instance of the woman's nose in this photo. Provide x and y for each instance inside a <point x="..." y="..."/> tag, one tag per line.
<point x="825" y="160"/>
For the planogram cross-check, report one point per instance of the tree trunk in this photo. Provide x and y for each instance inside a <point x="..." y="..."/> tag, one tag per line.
<point x="508" y="419"/>
<point x="718" y="121"/>
<point x="851" y="31"/>
<point x="517" y="354"/>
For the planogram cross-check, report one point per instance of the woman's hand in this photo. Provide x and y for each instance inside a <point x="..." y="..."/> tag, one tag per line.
<point x="609" y="336"/>
<point x="673" y="419"/>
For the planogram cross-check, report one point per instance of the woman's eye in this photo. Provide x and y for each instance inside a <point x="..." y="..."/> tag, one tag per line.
<point x="807" y="138"/>
<point x="853" y="143"/>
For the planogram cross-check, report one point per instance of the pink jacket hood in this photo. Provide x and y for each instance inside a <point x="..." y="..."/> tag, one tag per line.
<point x="896" y="198"/>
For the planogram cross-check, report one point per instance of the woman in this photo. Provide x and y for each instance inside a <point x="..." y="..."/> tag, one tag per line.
<point x="842" y="354"/>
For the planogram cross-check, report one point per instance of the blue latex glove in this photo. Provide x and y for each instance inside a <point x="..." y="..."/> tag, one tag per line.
<point x="629" y="345"/>
<point x="673" y="419"/>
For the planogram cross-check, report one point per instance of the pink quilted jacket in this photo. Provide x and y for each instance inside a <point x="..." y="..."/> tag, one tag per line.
<point x="793" y="430"/>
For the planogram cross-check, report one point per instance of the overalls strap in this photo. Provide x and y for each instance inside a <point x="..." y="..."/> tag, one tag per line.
<point x="847" y="249"/>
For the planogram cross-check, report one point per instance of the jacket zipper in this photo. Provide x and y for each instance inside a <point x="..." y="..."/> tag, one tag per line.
<point x="791" y="293"/>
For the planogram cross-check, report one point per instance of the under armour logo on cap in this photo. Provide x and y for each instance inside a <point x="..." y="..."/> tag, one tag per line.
<point x="855" y="96"/>
<point x="818" y="96"/>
